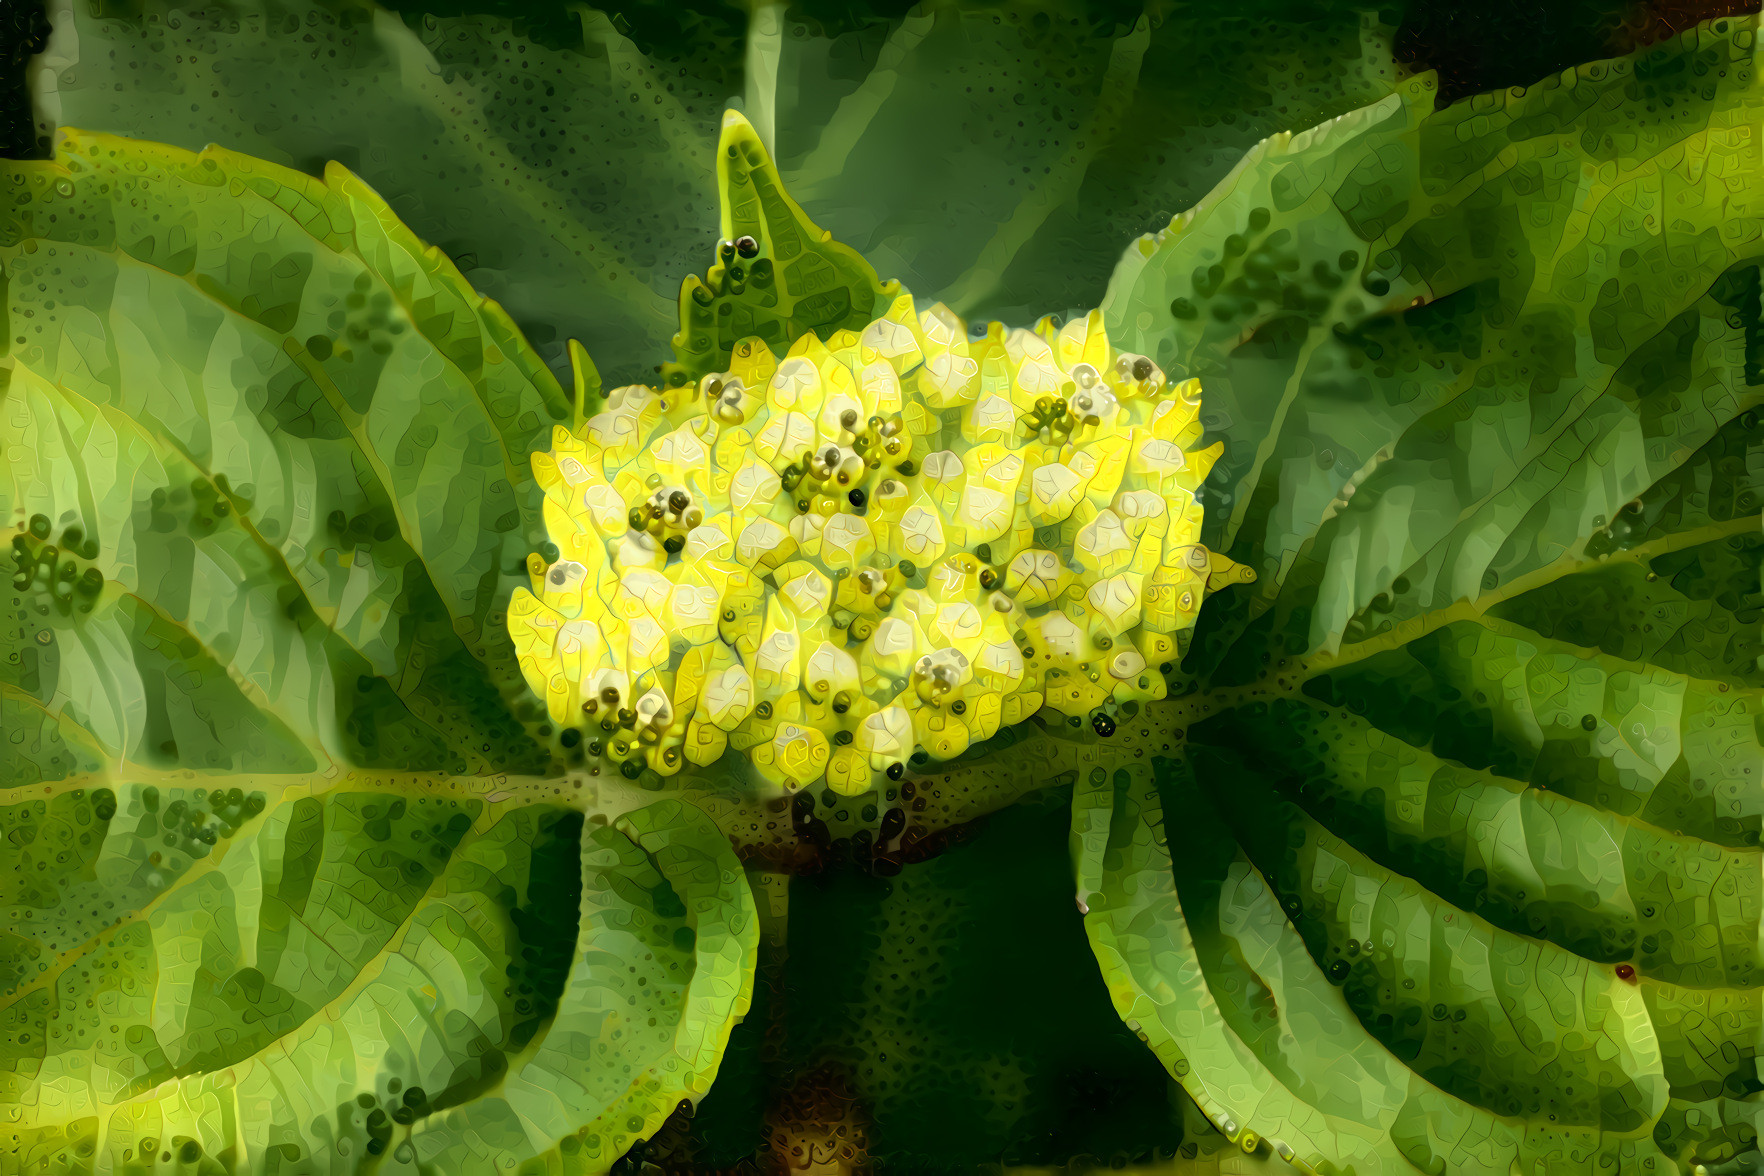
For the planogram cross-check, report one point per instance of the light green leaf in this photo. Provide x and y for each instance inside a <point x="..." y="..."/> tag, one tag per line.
<point x="358" y="976"/>
<point x="802" y="279"/>
<point x="292" y="878"/>
<point x="1203" y="962"/>
<point x="222" y="373"/>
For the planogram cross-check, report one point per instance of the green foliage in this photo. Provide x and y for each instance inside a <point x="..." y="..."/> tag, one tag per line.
<point x="299" y="397"/>
<point x="267" y="466"/>
<point x="363" y="975"/>
<point x="1444" y="858"/>
<point x="801" y="280"/>
<point x="1459" y="870"/>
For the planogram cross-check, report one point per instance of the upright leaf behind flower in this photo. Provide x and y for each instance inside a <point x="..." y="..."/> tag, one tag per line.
<point x="777" y="276"/>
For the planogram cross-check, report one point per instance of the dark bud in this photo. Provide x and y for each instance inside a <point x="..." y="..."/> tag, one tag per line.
<point x="1142" y="369"/>
<point x="1104" y="725"/>
<point x="638" y="518"/>
<point x="746" y="246"/>
<point x="841" y="702"/>
<point x="678" y="501"/>
<point x="857" y="497"/>
<point x="726" y="250"/>
<point x="672" y="544"/>
<point x="896" y="770"/>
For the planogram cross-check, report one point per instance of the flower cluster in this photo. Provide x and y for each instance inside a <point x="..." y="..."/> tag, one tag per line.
<point x="886" y="542"/>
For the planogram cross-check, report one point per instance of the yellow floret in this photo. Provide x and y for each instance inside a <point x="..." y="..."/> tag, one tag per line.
<point x="893" y="540"/>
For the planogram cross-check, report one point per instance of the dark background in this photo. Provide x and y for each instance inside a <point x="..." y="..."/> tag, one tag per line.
<point x="1474" y="45"/>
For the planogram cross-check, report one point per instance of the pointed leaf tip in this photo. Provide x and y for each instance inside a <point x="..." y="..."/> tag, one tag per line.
<point x="587" y="383"/>
<point x="776" y="276"/>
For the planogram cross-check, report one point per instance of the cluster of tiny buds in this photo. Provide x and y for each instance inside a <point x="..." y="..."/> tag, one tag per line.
<point x="666" y="515"/>
<point x="1090" y="402"/>
<point x="727" y="396"/>
<point x="614" y="718"/>
<point x="936" y="675"/>
<point x="645" y="721"/>
<point x="831" y="468"/>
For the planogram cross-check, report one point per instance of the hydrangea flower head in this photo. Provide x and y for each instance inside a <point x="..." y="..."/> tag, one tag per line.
<point x="879" y="546"/>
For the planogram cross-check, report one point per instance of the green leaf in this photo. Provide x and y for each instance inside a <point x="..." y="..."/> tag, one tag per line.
<point x="222" y="373"/>
<point x="801" y="279"/>
<point x="290" y="874"/>
<point x="1449" y="859"/>
<point x="1204" y="963"/>
<point x="669" y="934"/>
<point x="1421" y="333"/>
<point x="361" y="975"/>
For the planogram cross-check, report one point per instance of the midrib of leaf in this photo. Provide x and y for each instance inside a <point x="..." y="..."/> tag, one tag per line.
<point x="1405" y="631"/>
<point x="765" y="45"/>
<point x="857" y="110"/>
<point x="984" y="277"/>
